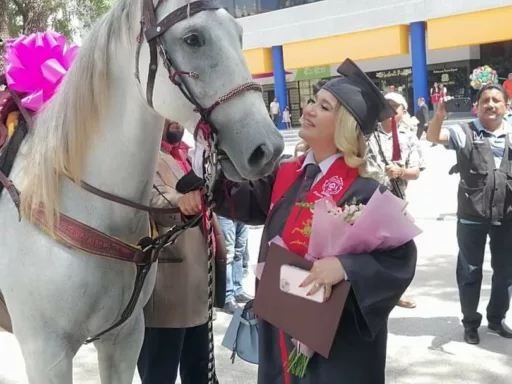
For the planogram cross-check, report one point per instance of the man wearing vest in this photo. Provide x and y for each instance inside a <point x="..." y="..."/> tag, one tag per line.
<point x="484" y="161"/>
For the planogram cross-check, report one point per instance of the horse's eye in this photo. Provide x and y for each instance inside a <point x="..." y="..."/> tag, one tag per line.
<point x="193" y="40"/>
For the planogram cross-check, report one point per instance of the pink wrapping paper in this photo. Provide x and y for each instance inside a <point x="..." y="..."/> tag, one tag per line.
<point x="383" y="224"/>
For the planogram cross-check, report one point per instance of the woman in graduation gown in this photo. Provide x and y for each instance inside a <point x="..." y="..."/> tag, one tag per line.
<point x="333" y="131"/>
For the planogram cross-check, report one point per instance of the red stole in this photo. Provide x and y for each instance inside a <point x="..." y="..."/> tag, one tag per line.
<point x="335" y="183"/>
<point x="179" y="152"/>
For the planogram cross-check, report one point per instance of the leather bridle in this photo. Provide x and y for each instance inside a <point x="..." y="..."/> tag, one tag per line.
<point x="152" y="31"/>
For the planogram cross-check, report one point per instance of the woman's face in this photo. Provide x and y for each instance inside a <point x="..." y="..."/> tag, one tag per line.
<point x="491" y="106"/>
<point x="319" y="121"/>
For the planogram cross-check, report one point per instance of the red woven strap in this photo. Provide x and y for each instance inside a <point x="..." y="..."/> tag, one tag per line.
<point x="396" y="144"/>
<point x="89" y="240"/>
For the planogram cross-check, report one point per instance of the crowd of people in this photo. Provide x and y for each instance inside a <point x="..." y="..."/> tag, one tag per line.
<point x="349" y="129"/>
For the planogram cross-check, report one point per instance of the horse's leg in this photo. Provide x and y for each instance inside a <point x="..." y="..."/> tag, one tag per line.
<point x="119" y="350"/>
<point x="48" y="356"/>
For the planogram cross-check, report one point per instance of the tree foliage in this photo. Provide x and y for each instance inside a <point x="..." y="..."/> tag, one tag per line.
<point x="89" y="11"/>
<point x="69" y="17"/>
<point x="72" y="18"/>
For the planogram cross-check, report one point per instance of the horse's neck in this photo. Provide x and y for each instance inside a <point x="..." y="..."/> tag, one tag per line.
<point x="121" y="161"/>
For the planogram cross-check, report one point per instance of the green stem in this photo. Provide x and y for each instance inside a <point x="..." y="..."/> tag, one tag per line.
<point x="298" y="364"/>
<point x="292" y="359"/>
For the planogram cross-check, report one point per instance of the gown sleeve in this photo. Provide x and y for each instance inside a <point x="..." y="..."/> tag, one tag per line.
<point x="378" y="280"/>
<point x="247" y="202"/>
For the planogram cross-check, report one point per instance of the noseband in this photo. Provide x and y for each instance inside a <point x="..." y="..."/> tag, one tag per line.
<point x="153" y="32"/>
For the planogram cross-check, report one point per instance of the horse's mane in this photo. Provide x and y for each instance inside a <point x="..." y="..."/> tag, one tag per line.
<point x="65" y="127"/>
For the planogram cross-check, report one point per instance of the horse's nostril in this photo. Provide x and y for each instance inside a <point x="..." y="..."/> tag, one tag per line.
<point x="259" y="156"/>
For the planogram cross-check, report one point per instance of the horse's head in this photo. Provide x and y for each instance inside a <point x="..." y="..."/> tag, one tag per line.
<point x="204" y="47"/>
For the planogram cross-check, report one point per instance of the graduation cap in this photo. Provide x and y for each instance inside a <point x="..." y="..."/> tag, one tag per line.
<point x="359" y="95"/>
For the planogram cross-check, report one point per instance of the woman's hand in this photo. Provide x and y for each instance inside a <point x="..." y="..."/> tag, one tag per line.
<point x="190" y="203"/>
<point x="326" y="272"/>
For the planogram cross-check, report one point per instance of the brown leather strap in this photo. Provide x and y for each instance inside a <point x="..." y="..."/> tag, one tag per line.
<point x="17" y="100"/>
<point x="149" y="18"/>
<point x="155" y="30"/>
<point x="153" y="67"/>
<point x="90" y="240"/>
<point x="12" y="190"/>
<point x="127" y="203"/>
<point x="26" y="115"/>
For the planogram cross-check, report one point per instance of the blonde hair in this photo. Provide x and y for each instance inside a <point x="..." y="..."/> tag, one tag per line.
<point x="67" y="125"/>
<point x="349" y="140"/>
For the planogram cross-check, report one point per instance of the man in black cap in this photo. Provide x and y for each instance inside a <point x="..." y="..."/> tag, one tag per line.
<point x="344" y="110"/>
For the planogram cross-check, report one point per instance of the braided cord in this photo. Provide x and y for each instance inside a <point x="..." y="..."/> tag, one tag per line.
<point x="209" y="175"/>
<point x="238" y="90"/>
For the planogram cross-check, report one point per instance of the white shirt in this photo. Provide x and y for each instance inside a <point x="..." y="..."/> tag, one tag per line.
<point x="274" y="108"/>
<point x="324" y="165"/>
<point x="196" y="158"/>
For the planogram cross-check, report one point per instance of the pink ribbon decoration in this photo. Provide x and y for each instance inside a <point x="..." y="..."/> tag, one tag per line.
<point x="36" y="65"/>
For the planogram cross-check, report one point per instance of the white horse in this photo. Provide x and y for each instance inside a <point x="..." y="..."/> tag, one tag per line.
<point x="100" y="129"/>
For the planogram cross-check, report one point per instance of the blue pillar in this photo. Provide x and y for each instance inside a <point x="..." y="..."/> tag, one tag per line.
<point x="419" y="62"/>
<point x="279" y="81"/>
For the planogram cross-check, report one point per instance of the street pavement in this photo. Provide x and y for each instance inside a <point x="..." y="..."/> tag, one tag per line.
<point x="425" y="344"/>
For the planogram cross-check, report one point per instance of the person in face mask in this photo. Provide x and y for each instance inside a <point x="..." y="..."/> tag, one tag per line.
<point x="173" y="132"/>
<point x="176" y="316"/>
<point x="172" y="143"/>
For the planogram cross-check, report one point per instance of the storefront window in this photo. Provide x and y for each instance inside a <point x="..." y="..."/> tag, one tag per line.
<point x="454" y="76"/>
<point x="498" y="56"/>
<point x="397" y="80"/>
<point x="243" y="8"/>
<point x="305" y="92"/>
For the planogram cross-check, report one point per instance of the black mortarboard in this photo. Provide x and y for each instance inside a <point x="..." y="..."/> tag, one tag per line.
<point x="357" y="93"/>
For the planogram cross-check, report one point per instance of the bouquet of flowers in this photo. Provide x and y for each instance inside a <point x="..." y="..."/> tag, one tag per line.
<point x="382" y="224"/>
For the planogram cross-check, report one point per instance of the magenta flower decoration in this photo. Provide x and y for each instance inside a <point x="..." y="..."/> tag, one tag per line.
<point x="36" y="65"/>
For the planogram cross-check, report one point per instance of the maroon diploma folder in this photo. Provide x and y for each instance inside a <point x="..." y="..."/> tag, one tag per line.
<point x="312" y="323"/>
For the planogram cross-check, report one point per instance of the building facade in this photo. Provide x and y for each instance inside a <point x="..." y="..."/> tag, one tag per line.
<point x="408" y="44"/>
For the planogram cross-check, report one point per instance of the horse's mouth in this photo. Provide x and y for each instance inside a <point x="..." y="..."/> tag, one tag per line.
<point x="222" y="156"/>
<point x="229" y="169"/>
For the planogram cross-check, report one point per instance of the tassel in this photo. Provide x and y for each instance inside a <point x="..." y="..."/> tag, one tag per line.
<point x="396" y="145"/>
<point x="204" y="130"/>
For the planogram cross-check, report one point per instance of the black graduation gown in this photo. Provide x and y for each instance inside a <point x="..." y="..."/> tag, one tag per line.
<point x="378" y="280"/>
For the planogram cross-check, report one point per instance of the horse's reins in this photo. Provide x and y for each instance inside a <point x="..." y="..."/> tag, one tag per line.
<point x="153" y="31"/>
